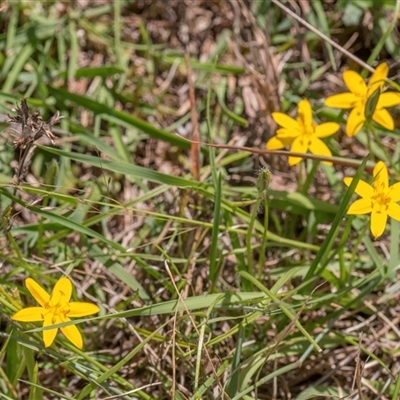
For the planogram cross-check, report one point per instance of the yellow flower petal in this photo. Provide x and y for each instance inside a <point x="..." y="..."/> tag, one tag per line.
<point x="274" y="144"/>
<point x="304" y="112"/>
<point x="50" y="334"/>
<point x="378" y="223"/>
<point x="394" y="192"/>
<point x="355" y="121"/>
<point x="287" y="134"/>
<point x="378" y="77"/>
<point x="355" y="83"/>
<point x="361" y="206"/>
<point x="381" y="72"/>
<point x="29" y="314"/>
<point x="347" y="181"/>
<point x="299" y="146"/>
<point x="72" y="333"/>
<point x="394" y="211"/>
<point x="363" y="189"/>
<point x="326" y="129"/>
<point x="62" y="291"/>
<point x="381" y="177"/>
<point x="318" y="147"/>
<point x="81" y="309"/>
<point x="285" y="121"/>
<point x="388" y="99"/>
<point x="383" y="117"/>
<point x="294" y="160"/>
<point x="342" y="100"/>
<point x="40" y="295"/>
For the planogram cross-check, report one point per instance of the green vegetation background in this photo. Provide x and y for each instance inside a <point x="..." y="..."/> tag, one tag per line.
<point x="208" y="286"/>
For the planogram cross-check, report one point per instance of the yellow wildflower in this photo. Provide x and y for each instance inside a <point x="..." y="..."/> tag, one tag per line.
<point x="303" y="134"/>
<point x="358" y="96"/>
<point x="380" y="199"/>
<point x="55" y="309"/>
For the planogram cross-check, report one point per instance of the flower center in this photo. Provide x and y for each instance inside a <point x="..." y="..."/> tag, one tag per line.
<point x="56" y="309"/>
<point x="307" y="131"/>
<point x="380" y="201"/>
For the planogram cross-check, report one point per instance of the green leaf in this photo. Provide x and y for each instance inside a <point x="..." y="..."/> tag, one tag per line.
<point x="120" y="117"/>
<point x="328" y="392"/>
<point x="323" y="252"/>
<point x="92" y="72"/>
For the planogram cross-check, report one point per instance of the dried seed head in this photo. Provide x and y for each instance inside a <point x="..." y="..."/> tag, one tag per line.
<point x="32" y="126"/>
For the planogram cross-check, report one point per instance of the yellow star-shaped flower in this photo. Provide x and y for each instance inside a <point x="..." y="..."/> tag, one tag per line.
<point x="55" y="309"/>
<point x="380" y="199"/>
<point x="302" y="135"/>
<point x="358" y="97"/>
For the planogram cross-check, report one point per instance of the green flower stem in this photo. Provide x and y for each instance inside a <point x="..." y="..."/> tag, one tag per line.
<point x="394" y="249"/>
<point x="396" y="388"/>
<point x="378" y="142"/>
<point x="310" y="175"/>
<point x="356" y="246"/>
<point x="242" y="203"/>
<point x="247" y="284"/>
<point x="342" y="266"/>
<point x="344" y="273"/>
<point x="300" y="177"/>
<point x="261" y="260"/>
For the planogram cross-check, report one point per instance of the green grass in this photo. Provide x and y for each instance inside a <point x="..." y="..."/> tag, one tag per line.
<point x="216" y="287"/>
